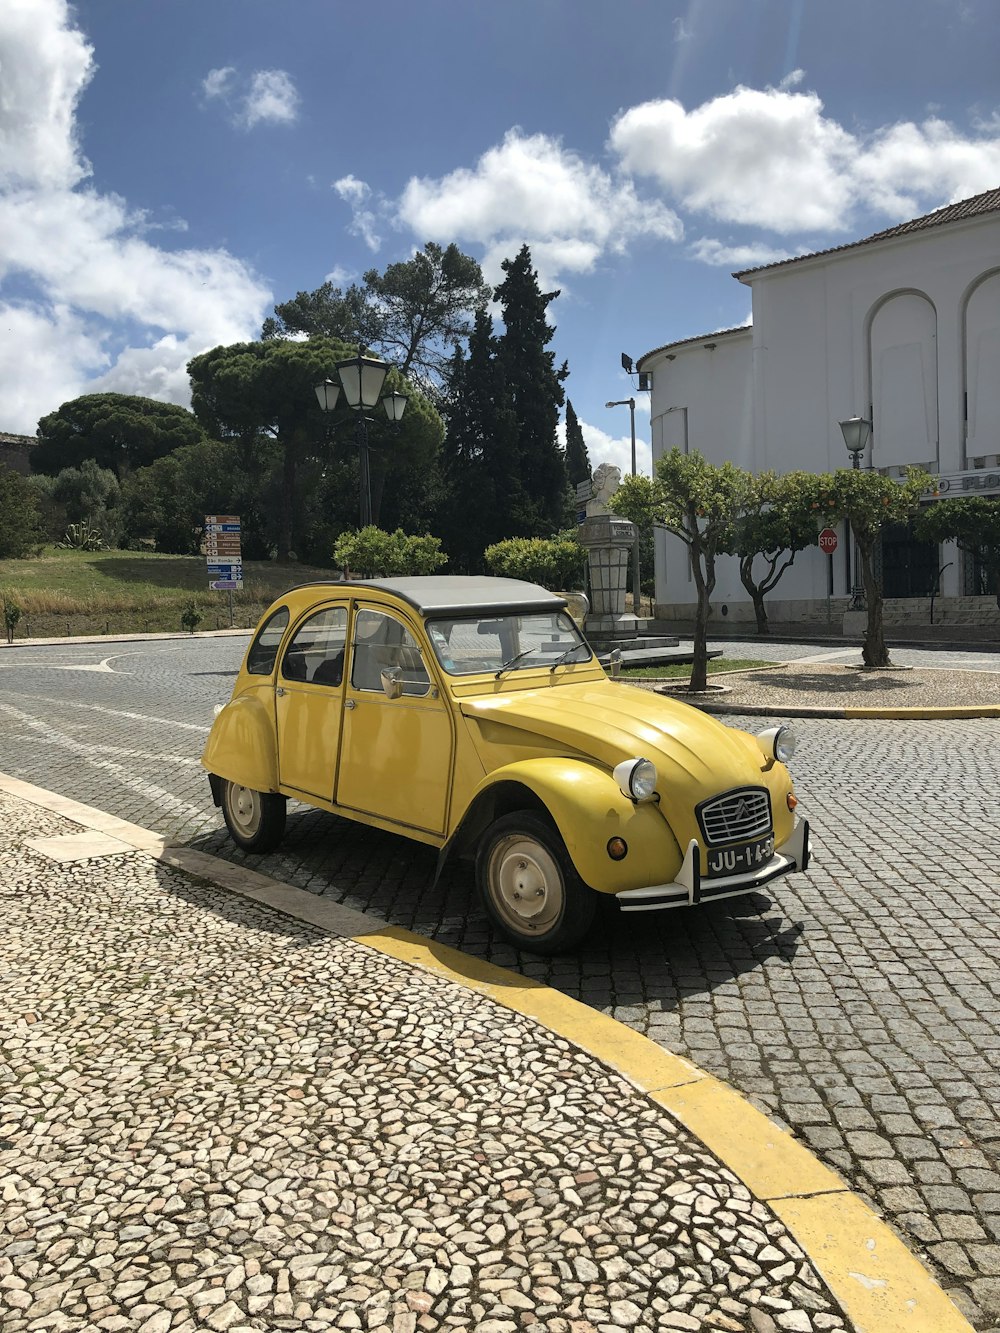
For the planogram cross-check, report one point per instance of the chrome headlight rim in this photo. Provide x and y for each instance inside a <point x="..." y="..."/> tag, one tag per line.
<point x="636" y="778"/>
<point x="778" y="743"/>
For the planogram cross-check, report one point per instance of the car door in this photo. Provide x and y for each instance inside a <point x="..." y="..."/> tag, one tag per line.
<point x="396" y="754"/>
<point x="309" y="697"/>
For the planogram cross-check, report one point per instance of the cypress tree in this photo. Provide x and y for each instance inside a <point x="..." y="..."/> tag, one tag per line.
<point x="577" y="459"/>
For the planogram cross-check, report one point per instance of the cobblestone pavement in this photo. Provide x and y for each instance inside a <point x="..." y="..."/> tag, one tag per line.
<point x="857" y="1004"/>
<point x="217" y="1117"/>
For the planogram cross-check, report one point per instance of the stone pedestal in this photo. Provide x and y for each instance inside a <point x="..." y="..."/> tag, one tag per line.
<point x="608" y="540"/>
<point x="855" y="624"/>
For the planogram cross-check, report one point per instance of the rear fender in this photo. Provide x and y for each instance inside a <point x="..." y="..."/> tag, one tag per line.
<point x="588" y="808"/>
<point x="241" y="745"/>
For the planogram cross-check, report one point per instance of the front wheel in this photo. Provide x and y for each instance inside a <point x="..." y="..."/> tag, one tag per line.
<point x="529" y="886"/>
<point x="255" y="819"/>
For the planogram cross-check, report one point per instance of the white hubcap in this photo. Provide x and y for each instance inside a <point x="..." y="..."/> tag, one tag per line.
<point x="526" y="884"/>
<point x="244" y="806"/>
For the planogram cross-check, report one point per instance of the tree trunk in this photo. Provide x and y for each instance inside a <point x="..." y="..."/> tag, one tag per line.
<point x="704" y="581"/>
<point x="874" y="654"/>
<point x="287" y="498"/>
<point x="759" y="611"/>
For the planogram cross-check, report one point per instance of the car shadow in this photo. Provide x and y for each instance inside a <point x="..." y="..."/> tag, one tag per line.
<point x="654" y="959"/>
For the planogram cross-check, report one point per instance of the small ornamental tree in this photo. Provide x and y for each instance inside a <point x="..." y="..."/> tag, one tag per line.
<point x="701" y="503"/>
<point x="374" y="553"/>
<point x="972" y="521"/>
<point x="781" y="522"/>
<point x="557" y="563"/>
<point x="870" y="501"/>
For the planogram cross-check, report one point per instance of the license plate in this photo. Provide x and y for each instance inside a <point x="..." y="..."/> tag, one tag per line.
<point x="739" y="860"/>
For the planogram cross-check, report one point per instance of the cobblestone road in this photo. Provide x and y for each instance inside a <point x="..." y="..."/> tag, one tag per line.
<point x="857" y="1004"/>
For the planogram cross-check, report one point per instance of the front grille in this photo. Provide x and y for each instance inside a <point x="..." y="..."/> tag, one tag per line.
<point x="737" y="816"/>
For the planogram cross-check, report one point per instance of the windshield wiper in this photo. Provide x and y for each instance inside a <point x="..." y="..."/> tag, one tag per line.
<point x="512" y="662"/>
<point x="573" y="648"/>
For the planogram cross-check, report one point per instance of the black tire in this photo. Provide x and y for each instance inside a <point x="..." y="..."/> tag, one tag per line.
<point x="529" y="887"/>
<point x="255" y="819"/>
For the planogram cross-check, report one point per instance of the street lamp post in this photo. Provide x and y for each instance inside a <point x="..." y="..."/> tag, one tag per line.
<point x="636" y="580"/>
<point x="362" y="378"/>
<point x="856" y="431"/>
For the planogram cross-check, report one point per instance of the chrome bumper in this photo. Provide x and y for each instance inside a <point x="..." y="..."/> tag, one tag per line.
<point x="689" y="887"/>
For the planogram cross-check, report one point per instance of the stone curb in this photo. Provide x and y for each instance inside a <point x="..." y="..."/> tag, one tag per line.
<point x="126" y="638"/>
<point x="878" y="1281"/>
<point x="805" y="710"/>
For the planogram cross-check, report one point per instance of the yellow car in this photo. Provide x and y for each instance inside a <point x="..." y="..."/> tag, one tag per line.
<point x="472" y="715"/>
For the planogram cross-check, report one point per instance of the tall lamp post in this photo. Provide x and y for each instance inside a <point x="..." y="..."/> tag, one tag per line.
<point x="362" y="378"/>
<point x="636" y="581"/>
<point x="856" y="431"/>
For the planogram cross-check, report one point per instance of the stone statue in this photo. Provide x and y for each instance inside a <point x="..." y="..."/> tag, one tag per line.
<point x="607" y="479"/>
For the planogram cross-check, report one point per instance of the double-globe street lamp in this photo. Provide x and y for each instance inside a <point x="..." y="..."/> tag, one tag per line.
<point x="362" y="378"/>
<point x="636" y="581"/>
<point x="856" y="431"/>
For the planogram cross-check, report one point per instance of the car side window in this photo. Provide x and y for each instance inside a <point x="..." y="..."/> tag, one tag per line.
<point x="383" y="641"/>
<point x="264" y="649"/>
<point x="316" y="652"/>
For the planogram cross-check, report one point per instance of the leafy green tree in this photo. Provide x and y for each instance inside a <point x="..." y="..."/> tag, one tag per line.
<point x="577" y="459"/>
<point x="534" y="387"/>
<point x="973" y="521"/>
<point x="557" y="563"/>
<point x="118" y="431"/>
<point x="169" y="499"/>
<point x="20" y="522"/>
<point x="701" y="503"/>
<point x="781" y="521"/>
<point x="413" y="314"/>
<point x="375" y="553"/>
<point x="266" y="391"/>
<point x="870" y="501"/>
<point x="89" y="495"/>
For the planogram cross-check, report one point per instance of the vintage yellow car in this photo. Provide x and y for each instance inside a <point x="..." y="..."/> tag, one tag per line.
<point x="471" y="714"/>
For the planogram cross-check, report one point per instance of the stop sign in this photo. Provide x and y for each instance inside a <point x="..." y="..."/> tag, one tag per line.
<point x="828" y="541"/>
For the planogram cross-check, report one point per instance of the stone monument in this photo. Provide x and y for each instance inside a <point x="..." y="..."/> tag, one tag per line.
<point x="608" y="539"/>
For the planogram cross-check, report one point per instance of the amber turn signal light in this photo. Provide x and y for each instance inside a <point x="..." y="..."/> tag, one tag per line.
<point x="791" y="801"/>
<point x="617" y="849"/>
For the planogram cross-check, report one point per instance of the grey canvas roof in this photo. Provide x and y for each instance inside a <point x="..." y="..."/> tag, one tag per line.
<point x="440" y="594"/>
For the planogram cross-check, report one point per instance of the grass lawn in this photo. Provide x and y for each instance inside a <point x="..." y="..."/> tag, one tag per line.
<point x="119" y="592"/>
<point x="682" y="670"/>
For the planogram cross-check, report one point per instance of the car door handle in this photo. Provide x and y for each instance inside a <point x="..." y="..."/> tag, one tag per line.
<point x="279" y="692"/>
<point x="349" y="703"/>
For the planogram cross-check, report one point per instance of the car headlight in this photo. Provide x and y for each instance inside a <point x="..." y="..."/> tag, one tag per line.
<point x="636" y="778"/>
<point x="778" y="743"/>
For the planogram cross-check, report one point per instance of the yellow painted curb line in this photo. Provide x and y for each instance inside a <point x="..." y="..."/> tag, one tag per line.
<point x="926" y="714"/>
<point x="882" y="1287"/>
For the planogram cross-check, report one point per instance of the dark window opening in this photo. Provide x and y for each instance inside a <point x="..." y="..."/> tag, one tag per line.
<point x="909" y="567"/>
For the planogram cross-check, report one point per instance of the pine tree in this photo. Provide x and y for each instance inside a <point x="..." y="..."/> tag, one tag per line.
<point x="577" y="459"/>
<point x="535" y="391"/>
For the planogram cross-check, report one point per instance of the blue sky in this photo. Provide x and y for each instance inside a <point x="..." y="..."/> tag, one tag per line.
<point x="171" y="168"/>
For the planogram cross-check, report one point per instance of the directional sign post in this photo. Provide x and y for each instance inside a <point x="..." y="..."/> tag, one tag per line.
<point x="224" y="556"/>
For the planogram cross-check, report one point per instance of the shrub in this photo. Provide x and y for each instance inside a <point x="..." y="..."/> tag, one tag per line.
<point x="374" y="553"/>
<point x="82" y="537"/>
<point x="191" y="617"/>
<point x="11" y="616"/>
<point x="556" y="563"/>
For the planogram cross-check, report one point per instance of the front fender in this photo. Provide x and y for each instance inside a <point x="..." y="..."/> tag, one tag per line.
<point x="588" y="808"/>
<point x="241" y="745"/>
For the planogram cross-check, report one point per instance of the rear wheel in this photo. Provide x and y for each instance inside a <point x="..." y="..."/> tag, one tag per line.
<point x="529" y="886"/>
<point x="255" y="819"/>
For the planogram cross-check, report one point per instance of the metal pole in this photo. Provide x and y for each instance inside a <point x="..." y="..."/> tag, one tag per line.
<point x="364" y="481"/>
<point x="636" y="578"/>
<point x="857" y="592"/>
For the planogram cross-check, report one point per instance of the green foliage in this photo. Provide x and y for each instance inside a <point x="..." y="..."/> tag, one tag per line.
<point x="191" y="617"/>
<point x="701" y="503"/>
<point x="973" y="522"/>
<point x="374" y="553"/>
<point x="577" y="459"/>
<point x="82" y="537"/>
<point x="20" y="521"/>
<point x="557" y="563"/>
<point x="781" y="520"/>
<point x="169" y="499"/>
<point x="11" y="616"/>
<point x="116" y="430"/>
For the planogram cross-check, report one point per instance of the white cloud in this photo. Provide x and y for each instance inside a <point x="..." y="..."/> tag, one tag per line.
<point x="364" y="220"/>
<point x="99" y="298"/>
<point x="531" y="189"/>
<point x="792" y="79"/>
<point x="737" y="257"/>
<point x="603" y="447"/>
<point x="269" y="98"/>
<point x="771" y="158"/>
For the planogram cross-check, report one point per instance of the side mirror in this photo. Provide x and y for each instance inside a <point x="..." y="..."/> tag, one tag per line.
<point x="392" y="682"/>
<point x="615" y="660"/>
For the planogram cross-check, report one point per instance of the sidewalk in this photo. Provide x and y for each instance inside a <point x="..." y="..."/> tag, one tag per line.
<point x="232" y="1105"/>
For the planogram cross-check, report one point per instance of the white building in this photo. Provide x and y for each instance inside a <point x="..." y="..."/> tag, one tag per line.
<point x="903" y="328"/>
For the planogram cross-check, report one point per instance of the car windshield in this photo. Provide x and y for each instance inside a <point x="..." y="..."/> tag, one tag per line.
<point x="471" y="645"/>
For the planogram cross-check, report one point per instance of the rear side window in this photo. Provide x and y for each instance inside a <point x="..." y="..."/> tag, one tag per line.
<point x="264" y="649"/>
